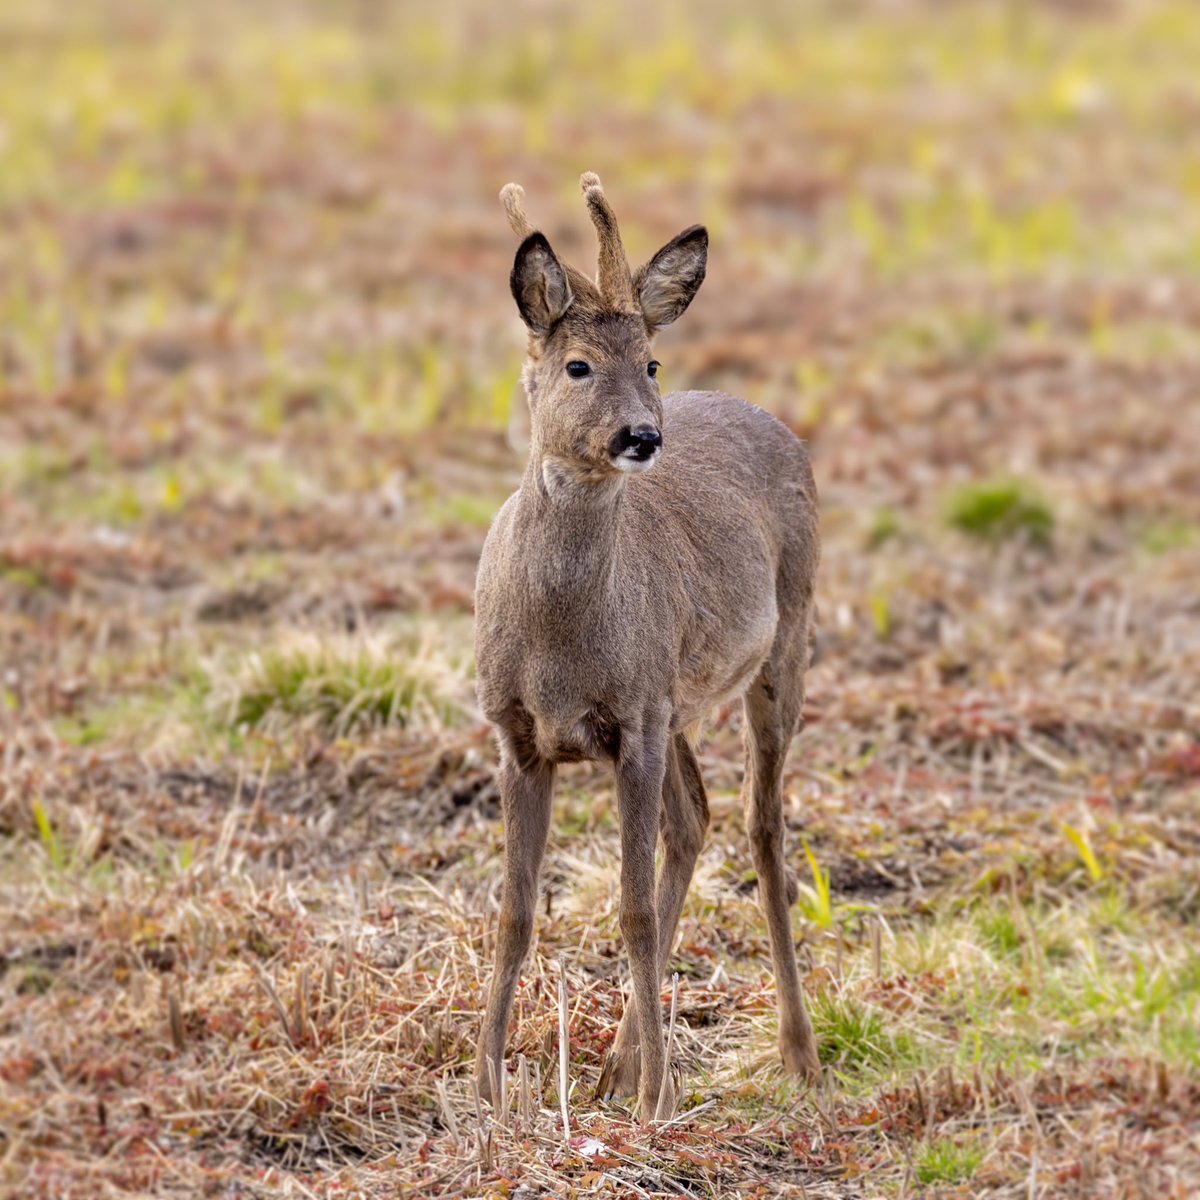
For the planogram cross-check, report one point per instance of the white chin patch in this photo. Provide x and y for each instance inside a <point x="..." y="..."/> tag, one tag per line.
<point x="631" y="465"/>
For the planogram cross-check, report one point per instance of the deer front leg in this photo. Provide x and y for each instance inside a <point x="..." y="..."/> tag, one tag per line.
<point x="639" y="795"/>
<point x="682" y="822"/>
<point x="526" y="795"/>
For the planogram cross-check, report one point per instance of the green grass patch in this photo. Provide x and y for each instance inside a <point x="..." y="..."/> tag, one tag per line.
<point x="465" y="508"/>
<point x="853" y="1035"/>
<point x="158" y="713"/>
<point x="945" y="1161"/>
<point x="996" y="510"/>
<point x="1020" y="981"/>
<point x="999" y="929"/>
<point x="885" y="527"/>
<point x="1166" y="537"/>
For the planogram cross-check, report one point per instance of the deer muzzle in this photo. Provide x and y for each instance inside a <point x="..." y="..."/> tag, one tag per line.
<point x="635" y="448"/>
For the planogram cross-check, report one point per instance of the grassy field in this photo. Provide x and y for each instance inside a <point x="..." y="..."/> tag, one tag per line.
<point x="258" y="370"/>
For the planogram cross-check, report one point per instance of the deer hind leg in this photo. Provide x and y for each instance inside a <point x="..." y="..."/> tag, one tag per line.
<point x="526" y="795"/>
<point x="682" y="825"/>
<point x="773" y="710"/>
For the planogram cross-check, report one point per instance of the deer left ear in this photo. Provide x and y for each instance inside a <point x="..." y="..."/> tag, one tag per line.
<point x="666" y="285"/>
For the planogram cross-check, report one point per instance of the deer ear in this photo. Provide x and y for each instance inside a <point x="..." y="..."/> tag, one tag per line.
<point x="666" y="285"/>
<point x="539" y="284"/>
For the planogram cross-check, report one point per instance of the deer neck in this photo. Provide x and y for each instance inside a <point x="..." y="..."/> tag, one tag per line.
<point x="570" y="531"/>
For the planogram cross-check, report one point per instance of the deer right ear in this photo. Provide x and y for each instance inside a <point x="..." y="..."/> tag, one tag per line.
<point x="539" y="284"/>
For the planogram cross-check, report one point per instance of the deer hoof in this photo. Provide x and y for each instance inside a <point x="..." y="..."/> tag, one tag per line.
<point x="800" y="1059"/>
<point x="487" y="1074"/>
<point x="656" y="1108"/>
<point x="619" y="1078"/>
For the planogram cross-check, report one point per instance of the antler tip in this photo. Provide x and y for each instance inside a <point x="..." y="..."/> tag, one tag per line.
<point x="512" y="196"/>
<point x="615" y="282"/>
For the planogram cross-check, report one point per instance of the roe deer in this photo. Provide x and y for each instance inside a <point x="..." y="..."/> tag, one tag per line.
<point x="657" y="559"/>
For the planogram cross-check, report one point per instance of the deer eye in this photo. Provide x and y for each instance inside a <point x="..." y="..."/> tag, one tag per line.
<point x="577" y="369"/>
<point x="652" y="368"/>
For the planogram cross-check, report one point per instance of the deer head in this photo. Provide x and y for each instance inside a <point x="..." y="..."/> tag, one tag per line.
<point x="590" y="371"/>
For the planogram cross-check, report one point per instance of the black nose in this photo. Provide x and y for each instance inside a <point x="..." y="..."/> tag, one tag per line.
<point x="643" y="440"/>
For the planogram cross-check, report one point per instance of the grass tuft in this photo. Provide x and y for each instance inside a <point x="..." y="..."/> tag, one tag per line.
<point x="852" y="1035"/>
<point x="48" y="836"/>
<point x="342" y="685"/>
<point x="816" y="900"/>
<point x="1083" y="847"/>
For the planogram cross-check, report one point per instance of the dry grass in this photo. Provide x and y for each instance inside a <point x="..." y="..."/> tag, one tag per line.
<point x="256" y="365"/>
<point x="300" y="991"/>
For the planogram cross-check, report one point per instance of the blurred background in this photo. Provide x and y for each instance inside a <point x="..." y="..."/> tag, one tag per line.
<point x="254" y="264"/>
<point x="258" y="356"/>
<point x="259" y="401"/>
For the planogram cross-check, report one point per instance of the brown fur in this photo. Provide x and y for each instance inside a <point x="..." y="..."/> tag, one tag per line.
<point x="614" y="609"/>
